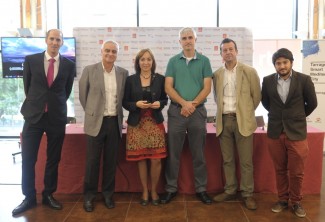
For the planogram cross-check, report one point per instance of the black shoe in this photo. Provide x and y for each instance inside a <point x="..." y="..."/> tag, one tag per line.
<point x="88" y="206"/>
<point x="155" y="202"/>
<point x="203" y="196"/>
<point x="109" y="202"/>
<point x="49" y="200"/>
<point x="167" y="197"/>
<point x="25" y="205"/>
<point x="144" y="202"/>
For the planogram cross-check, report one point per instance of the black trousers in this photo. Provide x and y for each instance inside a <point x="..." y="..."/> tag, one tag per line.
<point x="107" y="142"/>
<point x="31" y="138"/>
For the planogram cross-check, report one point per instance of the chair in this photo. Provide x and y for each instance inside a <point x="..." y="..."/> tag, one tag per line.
<point x="260" y="122"/>
<point x="211" y="119"/>
<point x="19" y="152"/>
<point x="71" y="120"/>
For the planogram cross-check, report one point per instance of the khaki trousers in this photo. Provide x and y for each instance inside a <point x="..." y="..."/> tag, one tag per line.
<point x="230" y="139"/>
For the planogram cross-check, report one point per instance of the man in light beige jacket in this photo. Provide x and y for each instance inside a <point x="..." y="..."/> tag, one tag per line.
<point x="237" y="93"/>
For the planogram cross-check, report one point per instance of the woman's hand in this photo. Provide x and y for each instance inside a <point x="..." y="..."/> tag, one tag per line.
<point x="143" y="104"/>
<point x="155" y="105"/>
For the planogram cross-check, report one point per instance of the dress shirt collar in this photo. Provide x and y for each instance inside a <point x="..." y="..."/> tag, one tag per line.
<point x="233" y="70"/>
<point x="113" y="69"/>
<point x="48" y="57"/>
<point x="279" y="77"/>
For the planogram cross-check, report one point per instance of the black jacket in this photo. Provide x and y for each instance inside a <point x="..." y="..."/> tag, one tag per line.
<point x="291" y="115"/>
<point x="133" y="93"/>
<point x="38" y="94"/>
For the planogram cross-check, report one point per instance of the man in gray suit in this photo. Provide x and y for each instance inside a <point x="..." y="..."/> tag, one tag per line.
<point x="101" y="89"/>
<point x="289" y="97"/>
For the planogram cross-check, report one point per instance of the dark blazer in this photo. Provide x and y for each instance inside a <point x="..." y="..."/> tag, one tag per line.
<point x="133" y="93"/>
<point x="290" y="116"/>
<point x="38" y="94"/>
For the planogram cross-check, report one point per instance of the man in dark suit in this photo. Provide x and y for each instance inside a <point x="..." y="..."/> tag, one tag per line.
<point x="47" y="86"/>
<point x="289" y="97"/>
<point x="101" y="90"/>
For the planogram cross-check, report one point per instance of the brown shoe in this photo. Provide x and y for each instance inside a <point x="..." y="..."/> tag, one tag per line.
<point x="224" y="197"/>
<point x="250" y="203"/>
<point x="298" y="210"/>
<point x="279" y="206"/>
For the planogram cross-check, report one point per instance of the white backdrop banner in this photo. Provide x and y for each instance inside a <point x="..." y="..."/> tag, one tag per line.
<point x="314" y="65"/>
<point x="164" y="44"/>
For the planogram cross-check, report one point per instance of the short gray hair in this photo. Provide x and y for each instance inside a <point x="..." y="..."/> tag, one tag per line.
<point x="185" y="30"/>
<point x="111" y="41"/>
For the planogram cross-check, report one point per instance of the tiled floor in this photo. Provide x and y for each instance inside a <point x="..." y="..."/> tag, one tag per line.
<point x="183" y="208"/>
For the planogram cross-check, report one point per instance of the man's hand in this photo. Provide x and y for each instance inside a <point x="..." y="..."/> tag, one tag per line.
<point x="188" y="108"/>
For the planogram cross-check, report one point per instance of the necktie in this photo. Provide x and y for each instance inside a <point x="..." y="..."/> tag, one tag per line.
<point x="50" y="72"/>
<point x="50" y="75"/>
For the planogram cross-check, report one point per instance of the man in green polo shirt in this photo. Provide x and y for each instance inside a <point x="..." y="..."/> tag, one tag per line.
<point x="187" y="83"/>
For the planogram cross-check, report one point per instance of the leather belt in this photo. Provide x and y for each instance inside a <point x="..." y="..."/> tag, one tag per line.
<point x="179" y="105"/>
<point x="229" y="114"/>
<point x="109" y="117"/>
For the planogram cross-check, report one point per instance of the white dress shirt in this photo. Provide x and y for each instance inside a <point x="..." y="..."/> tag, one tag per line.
<point x="229" y="91"/>
<point x="110" y="92"/>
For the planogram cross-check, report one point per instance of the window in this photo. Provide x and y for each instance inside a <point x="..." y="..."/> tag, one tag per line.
<point x="9" y="17"/>
<point x="267" y="19"/>
<point x="12" y="93"/>
<point x="177" y="13"/>
<point x="98" y="13"/>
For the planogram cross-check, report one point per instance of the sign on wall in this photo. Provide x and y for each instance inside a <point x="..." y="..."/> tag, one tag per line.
<point x="314" y="65"/>
<point x="164" y="44"/>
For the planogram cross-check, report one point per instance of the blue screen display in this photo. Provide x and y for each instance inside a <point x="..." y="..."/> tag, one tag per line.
<point x="15" y="49"/>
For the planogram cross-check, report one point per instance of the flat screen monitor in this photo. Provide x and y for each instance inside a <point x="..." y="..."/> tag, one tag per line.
<point x="15" y="49"/>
